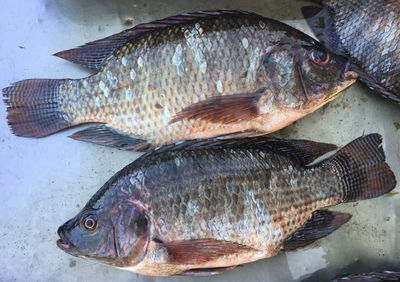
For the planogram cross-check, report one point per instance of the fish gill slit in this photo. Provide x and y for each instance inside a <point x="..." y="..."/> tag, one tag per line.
<point x="115" y="243"/>
<point x="302" y="82"/>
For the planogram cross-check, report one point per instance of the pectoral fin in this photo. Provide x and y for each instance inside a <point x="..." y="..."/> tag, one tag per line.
<point x="107" y="136"/>
<point x="320" y="224"/>
<point x="201" y="251"/>
<point x="223" y="109"/>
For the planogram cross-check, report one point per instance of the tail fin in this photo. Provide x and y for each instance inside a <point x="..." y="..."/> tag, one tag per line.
<point x="34" y="107"/>
<point x="362" y="169"/>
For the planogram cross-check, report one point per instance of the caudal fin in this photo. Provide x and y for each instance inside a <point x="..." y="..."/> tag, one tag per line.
<point x="34" y="107"/>
<point x="362" y="169"/>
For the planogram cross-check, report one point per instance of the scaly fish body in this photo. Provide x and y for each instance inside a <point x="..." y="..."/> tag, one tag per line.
<point x="372" y="276"/>
<point x="204" y="75"/>
<point x="192" y="208"/>
<point x="369" y="32"/>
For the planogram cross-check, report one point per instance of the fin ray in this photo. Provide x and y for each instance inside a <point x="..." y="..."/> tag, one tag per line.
<point x="201" y="251"/>
<point x="33" y="107"/>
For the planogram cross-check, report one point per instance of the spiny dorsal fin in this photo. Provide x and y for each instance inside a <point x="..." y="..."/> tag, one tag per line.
<point x="94" y="54"/>
<point x="301" y="151"/>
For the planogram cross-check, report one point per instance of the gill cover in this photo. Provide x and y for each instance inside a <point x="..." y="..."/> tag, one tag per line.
<point x="131" y="234"/>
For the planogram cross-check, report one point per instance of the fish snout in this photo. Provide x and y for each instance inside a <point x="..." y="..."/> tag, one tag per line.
<point x="63" y="243"/>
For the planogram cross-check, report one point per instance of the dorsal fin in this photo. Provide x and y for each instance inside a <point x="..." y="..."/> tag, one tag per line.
<point x="301" y="151"/>
<point x="94" y="54"/>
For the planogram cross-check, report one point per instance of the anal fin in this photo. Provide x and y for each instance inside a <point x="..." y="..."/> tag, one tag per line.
<point x="107" y="136"/>
<point x="320" y="224"/>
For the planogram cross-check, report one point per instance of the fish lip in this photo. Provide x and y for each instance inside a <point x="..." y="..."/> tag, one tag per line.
<point x="63" y="243"/>
<point x="348" y="73"/>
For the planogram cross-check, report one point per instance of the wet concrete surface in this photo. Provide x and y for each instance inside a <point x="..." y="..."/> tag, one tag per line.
<point x="46" y="181"/>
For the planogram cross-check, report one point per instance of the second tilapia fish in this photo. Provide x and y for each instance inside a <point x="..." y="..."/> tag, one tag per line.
<point x="200" y="208"/>
<point x="195" y="75"/>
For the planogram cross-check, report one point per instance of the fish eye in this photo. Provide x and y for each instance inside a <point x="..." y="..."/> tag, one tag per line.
<point x="320" y="57"/>
<point x="90" y="222"/>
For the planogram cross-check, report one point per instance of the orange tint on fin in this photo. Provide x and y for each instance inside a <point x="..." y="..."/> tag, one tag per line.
<point x="223" y="109"/>
<point x="201" y="251"/>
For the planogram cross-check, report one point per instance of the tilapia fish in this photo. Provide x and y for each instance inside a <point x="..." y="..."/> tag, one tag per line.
<point x="195" y="75"/>
<point x="368" y="31"/>
<point x="372" y="276"/>
<point x="202" y="207"/>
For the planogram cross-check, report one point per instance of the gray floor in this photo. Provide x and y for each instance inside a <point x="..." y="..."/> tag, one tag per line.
<point x="46" y="181"/>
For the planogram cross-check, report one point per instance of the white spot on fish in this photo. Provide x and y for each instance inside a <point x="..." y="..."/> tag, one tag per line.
<point x="140" y="62"/>
<point x="132" y="74"/>
<point x="180" y="69"/>
<point x="203" y="66"/>
<point x="219" y="86"/>
<point x="124" y="61"/>
<point x="178" y="60"/>
<point x="102" y="85"/>
<point x="262" y="24"/>
<point x="245" y="43"/>
<point x="97" y="101"/>
<point x="111" y="79"/>
<point x="166" y="116"/>
<point x="128" y="94"/>
<point x="106" y="92"/>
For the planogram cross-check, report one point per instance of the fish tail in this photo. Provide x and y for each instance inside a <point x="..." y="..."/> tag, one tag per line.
<point x="362" y="169"/>
<point x="34" y="107"/>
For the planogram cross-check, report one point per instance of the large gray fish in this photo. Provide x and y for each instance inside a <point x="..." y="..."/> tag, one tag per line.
<point x="369" y="32"/>
<point x="196" y="75"/>
<point x="200" y="208"/>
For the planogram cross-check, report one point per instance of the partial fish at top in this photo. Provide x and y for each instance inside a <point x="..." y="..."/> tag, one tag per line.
<point x="367" y="31"/>
<point x="196" y="75"/>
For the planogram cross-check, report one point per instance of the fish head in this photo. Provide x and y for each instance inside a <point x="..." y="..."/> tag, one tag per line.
<point x="113" y="233"/>
<point x="304" y="76"/>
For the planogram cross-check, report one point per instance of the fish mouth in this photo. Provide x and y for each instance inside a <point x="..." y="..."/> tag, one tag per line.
<point x="63" y="243"/>
<point x="348" y="73"/>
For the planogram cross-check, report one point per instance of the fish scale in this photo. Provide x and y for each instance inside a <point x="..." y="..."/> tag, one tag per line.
<point x="241" y="178"/>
